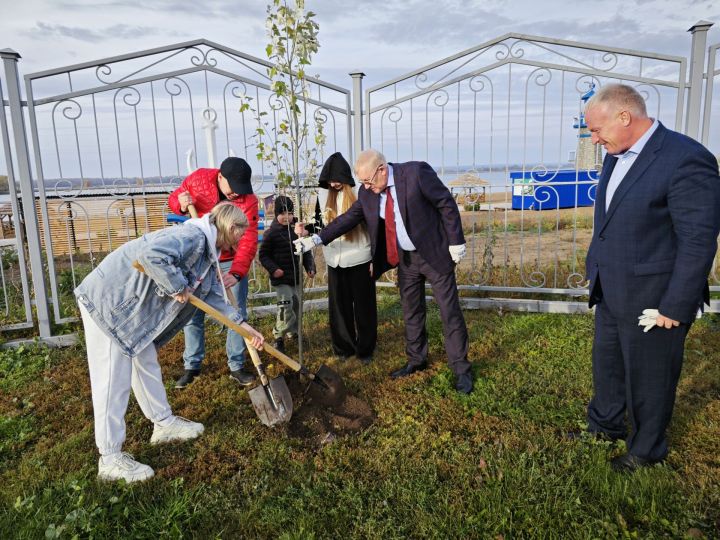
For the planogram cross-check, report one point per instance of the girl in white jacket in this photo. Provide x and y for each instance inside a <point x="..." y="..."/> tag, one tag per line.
<point x="351" y="287"/>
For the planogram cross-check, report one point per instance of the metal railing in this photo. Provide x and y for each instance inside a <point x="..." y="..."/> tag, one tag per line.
<point x="505" y="120"/>
<point x="106" y="142"/>
<point x="110" y="139"/>
<point x="711" y="116"/>
<point x="16" y="304"/>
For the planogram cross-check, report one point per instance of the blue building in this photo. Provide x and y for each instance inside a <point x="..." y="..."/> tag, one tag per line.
<point x="562" y="188"/>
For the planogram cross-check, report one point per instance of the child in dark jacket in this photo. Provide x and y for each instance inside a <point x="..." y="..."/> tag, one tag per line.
<point x="277" y="255"/>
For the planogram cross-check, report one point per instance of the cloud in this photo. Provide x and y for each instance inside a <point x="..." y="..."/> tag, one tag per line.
<point x="615" y="31"/>
<point x="460" y="26"/>
<point x="204" y="9"/>
<point x="44" y="30"/>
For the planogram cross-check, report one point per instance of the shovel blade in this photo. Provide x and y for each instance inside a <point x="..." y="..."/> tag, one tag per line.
<point x="327" y="388"/>
<point x="272" y="403"/>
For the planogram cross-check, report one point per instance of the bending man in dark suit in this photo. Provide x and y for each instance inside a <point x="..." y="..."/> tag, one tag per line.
<point x="426" y="244"/>
<point x="657" y="216"/>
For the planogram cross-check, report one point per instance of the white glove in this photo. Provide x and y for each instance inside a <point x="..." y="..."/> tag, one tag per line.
<point x="648" y="319"/>
<point x="303" y="245"/>
<point x="457" y="253"/>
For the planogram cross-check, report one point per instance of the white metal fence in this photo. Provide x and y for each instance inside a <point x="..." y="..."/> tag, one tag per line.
<point x="96" y="147"/>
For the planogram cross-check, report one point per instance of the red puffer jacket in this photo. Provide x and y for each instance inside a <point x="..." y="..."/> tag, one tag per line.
<point x="203" y="188"/>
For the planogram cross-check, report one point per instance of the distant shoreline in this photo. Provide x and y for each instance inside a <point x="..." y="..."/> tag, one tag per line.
<point x="497" y="180"/>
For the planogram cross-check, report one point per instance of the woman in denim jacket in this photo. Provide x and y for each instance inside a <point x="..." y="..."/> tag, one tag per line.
<point x="128" y="314"/>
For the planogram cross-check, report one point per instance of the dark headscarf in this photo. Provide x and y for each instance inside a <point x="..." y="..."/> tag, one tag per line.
<point x="336" y="169"/>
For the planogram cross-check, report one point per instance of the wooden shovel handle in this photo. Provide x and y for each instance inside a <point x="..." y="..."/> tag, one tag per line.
<point x="231" y="297"/>
<point x="218" y="315"/>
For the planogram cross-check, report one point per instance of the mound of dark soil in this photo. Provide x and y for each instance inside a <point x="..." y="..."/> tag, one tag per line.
<point x="320" y="424"/>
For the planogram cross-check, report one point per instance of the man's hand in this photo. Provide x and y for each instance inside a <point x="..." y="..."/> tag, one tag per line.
<point x="183" y="295"/>
<point x="665" y="322"/>
<point x="229" y="280"/>
<point x="300" y="229"/>
<point x="652" y="317"/>
<point x="303" y="245"/>
<point x="457" y="253"/>
<point x="185" y="199"/>
<point x="257" y="339"/>
<point x="371" y="269"/>
<point x="278" y="273"/>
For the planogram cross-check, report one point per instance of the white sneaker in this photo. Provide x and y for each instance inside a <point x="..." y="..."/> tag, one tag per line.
<point x="122" y="466"/>
<point x="181" y="429"/>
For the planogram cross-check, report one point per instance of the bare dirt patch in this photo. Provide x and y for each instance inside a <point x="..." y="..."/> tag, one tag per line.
<point x="318" y="424"/>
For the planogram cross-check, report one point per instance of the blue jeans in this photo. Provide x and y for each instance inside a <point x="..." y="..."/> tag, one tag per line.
<point x="195" y="331"/>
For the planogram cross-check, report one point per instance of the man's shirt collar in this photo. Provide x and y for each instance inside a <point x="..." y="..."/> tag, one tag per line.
<point x="391" y="176"/>
<point x="642" y="141"/>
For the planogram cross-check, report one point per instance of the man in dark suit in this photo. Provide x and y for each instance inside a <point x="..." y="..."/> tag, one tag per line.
<point x="414" y="225"/>
<point x="657" y="217"/>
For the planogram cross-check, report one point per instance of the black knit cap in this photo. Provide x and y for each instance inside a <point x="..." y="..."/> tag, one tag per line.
<point x="283" y="204"/>
<point x="335" y="169"/>
<point x="238" y="174"/>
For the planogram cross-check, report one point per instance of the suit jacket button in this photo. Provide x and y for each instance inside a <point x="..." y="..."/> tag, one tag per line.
<point x="602" y="238"/>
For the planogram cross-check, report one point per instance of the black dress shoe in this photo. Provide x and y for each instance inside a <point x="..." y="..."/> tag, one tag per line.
<point x="630" y="463"/>
<point x="365" y="359"/>
<point x="464" y="383"/>
<point x="407" y="369"/>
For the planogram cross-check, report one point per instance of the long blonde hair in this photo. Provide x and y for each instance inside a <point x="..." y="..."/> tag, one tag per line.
<point x="331" y="210"/>
<point x="228" y="219"/>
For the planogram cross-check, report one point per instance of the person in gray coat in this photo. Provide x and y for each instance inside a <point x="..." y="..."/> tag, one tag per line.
<point x="127" y="315"/>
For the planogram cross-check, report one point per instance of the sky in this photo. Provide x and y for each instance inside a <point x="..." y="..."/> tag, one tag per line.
<point x="381" y="38"/>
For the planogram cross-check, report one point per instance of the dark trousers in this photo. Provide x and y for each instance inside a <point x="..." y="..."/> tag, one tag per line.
<point x="637" y="373"/>
<point x="353" y="310"/>
<point x="413" y="271"/>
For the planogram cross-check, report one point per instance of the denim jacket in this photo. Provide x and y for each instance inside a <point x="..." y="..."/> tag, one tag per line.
<point x="137" y="309"/>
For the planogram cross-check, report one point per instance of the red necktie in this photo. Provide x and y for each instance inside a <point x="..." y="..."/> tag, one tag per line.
<point x="390" y="235"/>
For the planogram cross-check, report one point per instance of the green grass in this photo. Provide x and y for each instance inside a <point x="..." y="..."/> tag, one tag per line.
<point x="434" y="464"/>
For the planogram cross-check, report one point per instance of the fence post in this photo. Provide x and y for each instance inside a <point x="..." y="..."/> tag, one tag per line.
<point x="15" y="205"/>
<point x="709" y="80"/>
<point x="357" y="77"/>
<point x="697" y="69"/>
<point x="27" y="191"/>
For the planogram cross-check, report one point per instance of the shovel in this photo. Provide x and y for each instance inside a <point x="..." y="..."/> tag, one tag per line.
<point x="271" y="400"/>
<point x="326" y="386"/>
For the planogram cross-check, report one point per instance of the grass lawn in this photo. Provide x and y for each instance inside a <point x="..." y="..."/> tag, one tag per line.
<point x="434" y="464"/>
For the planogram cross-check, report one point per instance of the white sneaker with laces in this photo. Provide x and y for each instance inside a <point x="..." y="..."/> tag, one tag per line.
<point x="122" y="466"/>
<point x="181" y="429"/>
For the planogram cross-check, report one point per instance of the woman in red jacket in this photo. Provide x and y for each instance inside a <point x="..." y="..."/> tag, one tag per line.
<point x="204" y="188"/>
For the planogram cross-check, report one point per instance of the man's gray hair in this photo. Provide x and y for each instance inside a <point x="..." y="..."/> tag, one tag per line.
<point x="619" y="96"/>
<point x="369" y="159"/>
